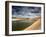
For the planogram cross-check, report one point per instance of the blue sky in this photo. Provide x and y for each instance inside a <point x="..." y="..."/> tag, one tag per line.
<point x="25" y="11"/>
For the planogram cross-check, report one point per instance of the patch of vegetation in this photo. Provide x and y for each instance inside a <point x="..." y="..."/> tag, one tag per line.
<point x="21" y="24"/>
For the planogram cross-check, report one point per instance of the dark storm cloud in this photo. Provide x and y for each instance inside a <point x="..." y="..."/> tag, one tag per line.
<point x="25" y="11"/>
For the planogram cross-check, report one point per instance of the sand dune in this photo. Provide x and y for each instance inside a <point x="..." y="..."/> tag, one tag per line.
<point x="34" y="26"/>
<point x="26" y="23"/>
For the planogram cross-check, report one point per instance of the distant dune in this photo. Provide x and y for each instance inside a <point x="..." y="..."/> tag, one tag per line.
<point x="26" y="18"/>
<point x="22" y="19"/>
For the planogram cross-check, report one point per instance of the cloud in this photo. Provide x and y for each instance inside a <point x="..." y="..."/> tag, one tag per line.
<point x="25" y="12"/>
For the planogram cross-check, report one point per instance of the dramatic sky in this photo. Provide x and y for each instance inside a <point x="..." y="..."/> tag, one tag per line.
<point x="25" y="11"/>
